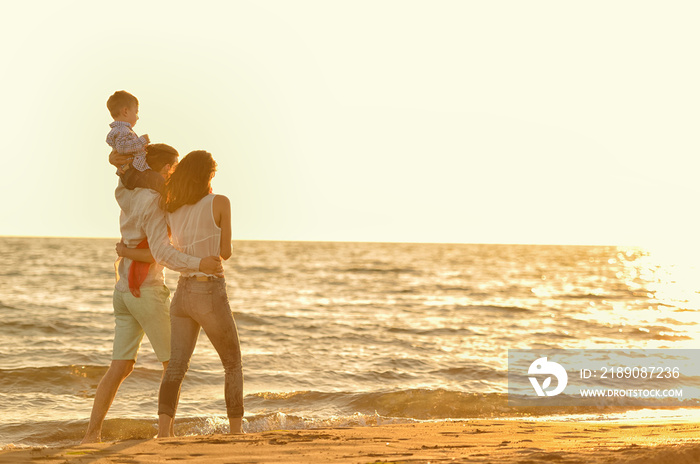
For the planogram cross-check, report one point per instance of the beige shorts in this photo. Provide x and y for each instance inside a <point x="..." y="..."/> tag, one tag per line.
<point x="149" y="314"/>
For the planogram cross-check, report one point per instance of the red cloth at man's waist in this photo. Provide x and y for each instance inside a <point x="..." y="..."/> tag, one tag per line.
<point x="138" y="271"/>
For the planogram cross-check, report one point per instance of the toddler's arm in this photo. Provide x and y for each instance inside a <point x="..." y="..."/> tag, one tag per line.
<point x="129" y="143"/>
<point x="125" y="141"/>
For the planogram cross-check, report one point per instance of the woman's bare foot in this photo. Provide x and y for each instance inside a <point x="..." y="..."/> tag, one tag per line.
<point x="235" y="425"/>
<point x="165" y="426"/>
<point x="91" y="439"/>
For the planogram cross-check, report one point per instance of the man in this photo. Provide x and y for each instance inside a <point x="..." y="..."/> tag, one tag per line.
<point x="149" y="313"/>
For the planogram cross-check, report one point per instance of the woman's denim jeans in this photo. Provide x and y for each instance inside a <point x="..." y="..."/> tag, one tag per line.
<point x="202" y="304"/>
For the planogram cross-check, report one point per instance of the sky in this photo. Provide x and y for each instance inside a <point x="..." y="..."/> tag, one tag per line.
<point x="548" y="122"/>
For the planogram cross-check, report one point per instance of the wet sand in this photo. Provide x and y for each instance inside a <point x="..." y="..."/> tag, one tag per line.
<point x="485" y="441"/>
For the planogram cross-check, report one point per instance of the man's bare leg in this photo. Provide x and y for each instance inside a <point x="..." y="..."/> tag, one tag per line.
<point x="104" y="396"/>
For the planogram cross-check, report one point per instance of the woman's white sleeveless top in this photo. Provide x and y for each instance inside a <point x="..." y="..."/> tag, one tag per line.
<point x="194" y="231"/>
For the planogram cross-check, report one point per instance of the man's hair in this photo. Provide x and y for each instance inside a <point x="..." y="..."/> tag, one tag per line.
<point x="160" y="154"/>
<point x="120" y="99"/>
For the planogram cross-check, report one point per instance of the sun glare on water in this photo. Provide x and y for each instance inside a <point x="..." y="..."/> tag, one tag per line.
<point x="669" y="277"/>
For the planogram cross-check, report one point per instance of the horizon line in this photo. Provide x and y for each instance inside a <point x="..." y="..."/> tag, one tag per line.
<point x="359" y="241"/>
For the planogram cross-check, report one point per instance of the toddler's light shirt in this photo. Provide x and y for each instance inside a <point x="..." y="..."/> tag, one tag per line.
<point x="123" y="139"/>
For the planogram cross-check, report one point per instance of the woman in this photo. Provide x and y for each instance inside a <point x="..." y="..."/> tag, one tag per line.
<point x="200" y="223"/>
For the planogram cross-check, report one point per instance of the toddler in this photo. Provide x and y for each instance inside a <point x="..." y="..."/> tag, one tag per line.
<point x="124" y="108"/>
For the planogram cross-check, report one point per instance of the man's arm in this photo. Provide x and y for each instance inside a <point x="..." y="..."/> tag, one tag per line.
<point x="118" y="160"/>
<point x="209" y="265"/>
<point x="135" y="254"/>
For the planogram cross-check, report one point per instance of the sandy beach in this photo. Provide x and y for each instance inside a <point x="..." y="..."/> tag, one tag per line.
<point x="488" y="441"/>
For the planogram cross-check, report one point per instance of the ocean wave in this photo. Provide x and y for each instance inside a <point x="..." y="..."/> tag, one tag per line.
<point x="314" y="409"/>
<point x="472" y="372"/>
<point x="493" y="308"/>
<point x="413" y="404"/>
<point x="67" y="433"/>
<point x="250" y="319"/>
<point x="452" y="288"/>
<point x="376" y="270"/>
<point x="6" y="306"/>
<point x="62" y="379"/>
<point x="255" y="269"/>
<point x="439" y="331"/>
<point x="610" y="295"/>
<point x="656" y="333"/>
<point x="56" y="327"/>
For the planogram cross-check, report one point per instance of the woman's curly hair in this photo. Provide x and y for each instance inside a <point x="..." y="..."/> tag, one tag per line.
<point x="189" y="182"/>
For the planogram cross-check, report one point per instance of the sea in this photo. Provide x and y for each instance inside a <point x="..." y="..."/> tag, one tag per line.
<point x="333" y="334"/>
